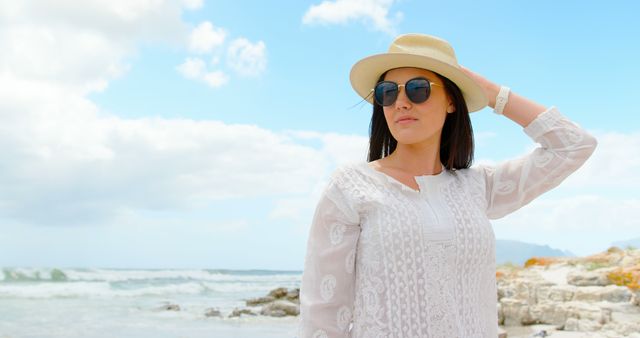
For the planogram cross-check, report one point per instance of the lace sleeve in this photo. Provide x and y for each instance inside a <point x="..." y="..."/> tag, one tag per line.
<point x="327" y="289"/>
<point x="565" y="146"/>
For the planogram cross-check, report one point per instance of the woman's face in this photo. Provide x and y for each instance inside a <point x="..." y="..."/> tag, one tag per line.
<point x="427" y="118"/>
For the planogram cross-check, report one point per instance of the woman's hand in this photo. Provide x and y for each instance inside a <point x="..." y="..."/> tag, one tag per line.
<point x="490" y="89"/>
<point x="518" y="108"/>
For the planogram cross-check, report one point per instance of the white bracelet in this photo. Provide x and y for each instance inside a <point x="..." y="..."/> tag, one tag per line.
<point x="501" y="100"/>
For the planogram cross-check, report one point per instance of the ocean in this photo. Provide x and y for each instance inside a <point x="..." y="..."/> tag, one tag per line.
<point x="101" y="303"/>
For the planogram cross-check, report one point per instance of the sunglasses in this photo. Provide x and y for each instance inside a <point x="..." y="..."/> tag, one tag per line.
<point x="417" y="90"/>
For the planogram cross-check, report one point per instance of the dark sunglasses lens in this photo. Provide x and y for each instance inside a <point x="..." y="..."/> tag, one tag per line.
<point x="418" y="90"/>
<point x="386" y="93"/>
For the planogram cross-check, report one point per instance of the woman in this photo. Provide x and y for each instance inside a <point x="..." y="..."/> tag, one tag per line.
<point x="401" y="245"/>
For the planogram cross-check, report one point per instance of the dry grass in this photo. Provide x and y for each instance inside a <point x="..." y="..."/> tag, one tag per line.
<point x="626" y="277"/>
<point x="590" y="266"/>
<point x="539" y="261"/>
<point x="507" y="270"/>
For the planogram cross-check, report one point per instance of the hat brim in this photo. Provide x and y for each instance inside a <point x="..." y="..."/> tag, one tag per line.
<point x="365" y="73"/>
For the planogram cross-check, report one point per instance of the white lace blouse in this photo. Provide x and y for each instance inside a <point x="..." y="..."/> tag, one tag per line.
<point x="385" y="260"/>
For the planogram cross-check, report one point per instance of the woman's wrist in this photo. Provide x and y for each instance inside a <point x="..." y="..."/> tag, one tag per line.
<point x="493" y="92"/>
<point x="522" y="110"/>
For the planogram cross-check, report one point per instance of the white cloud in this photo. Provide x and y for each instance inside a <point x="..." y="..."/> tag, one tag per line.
<point x="335" y="149"/>
<point x="65" y="161"/>
<point x="216" y="78"/>
<point x="615" y="164"/>
<point x="71" y="164"/>
<point x="205" y="38"/>
<point x="84" y="61"/>
<point x="293" y="208"/>
<point x="375" y="12"/>
<point x="582" y="224"/>
<point x="120" y="20"/>
<point x="247" y="58"/>
<point x="338" y="148"/>
<point x="192" y="68"/>
<point x="244" y="57"/>
<point x="81" y="46"/>
<point x="196" y="69"/>
<point x="193" y="4"/>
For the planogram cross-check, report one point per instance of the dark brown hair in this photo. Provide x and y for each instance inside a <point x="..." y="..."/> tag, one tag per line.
<point x="456" y="141"/>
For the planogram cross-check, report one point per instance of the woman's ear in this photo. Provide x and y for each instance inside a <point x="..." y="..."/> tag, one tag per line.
<point x="451" y="108"/>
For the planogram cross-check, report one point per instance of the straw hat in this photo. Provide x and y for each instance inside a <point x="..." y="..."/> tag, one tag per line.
<point x="420" y="51"/>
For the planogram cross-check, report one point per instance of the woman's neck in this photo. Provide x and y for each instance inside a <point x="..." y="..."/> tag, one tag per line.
<point x="416" y="159"/>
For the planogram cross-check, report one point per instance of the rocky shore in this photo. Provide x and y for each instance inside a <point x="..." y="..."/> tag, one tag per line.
<point x="593" y="296"/>
<point x="596" y="296"/>
<point x="280" y="302"/>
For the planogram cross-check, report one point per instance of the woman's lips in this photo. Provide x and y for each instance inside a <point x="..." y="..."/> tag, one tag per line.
<point x="406" y="121"/>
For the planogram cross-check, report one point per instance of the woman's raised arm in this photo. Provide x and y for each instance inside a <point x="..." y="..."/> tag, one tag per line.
<point x="564" y="147"/>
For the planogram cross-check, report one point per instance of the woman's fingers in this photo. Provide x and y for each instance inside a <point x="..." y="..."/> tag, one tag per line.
<point x="490" y="89"/>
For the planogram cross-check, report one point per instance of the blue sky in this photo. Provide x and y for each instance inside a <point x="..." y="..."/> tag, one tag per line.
<point x="199" y="134"/>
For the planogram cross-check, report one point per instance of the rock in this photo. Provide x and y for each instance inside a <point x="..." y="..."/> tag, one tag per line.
<point x="615" y="249"/>
<point x="616" y="294"/>
<point x="581" y="325"/>
<point x="239" y="312"/>
<point x="212" y="312"/>
<point x="260" y="300"/>
<point x="274" y="313"/>
<point x="628" y="261"/>
<point x="506" y="290"/>
<point x="294" y="295"/>
<point x="625" y="328"/>
<point x="609" y="293"/>
<point x="169" y="307"/>
<point x="605" y="258"/>
<point x="635" y="300"/>
<point x="280" y="308"/>
<point x="278" y="293"/>
<point x="520" y="312"/>
<point x="502" y="333"/>
<point x="588" y="294"/>
<point x="629" y="328"/>
<point x="561" y="293"/>
<point x="279" y="302"/>
<point x="589" y="278"/>
<point x="582" y="310"/>
<point x="601" y="303"/>
<point x="516" y="312"/>
<point x="548" y="313"/>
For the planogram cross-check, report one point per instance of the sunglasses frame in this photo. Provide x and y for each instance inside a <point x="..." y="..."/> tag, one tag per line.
<point x="431" y="83"/>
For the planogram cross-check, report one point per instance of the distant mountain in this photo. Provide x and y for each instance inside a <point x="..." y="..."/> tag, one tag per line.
<point x="518" y="252"/>
<point x="635" y="242"/>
